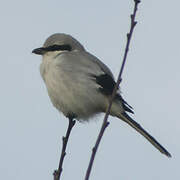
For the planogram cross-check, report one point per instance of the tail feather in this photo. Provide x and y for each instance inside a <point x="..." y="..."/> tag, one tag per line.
<point x="126" y="118"/>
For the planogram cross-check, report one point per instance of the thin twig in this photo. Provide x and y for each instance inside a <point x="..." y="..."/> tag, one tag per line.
<point x="57" y="173"/>
<point x="105" y="121"/>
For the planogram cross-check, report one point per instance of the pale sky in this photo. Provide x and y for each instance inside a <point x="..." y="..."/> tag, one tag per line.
<point x="31" y="128"/>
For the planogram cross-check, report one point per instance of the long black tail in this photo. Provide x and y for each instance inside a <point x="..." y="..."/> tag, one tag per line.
<point x="125" y="117"/>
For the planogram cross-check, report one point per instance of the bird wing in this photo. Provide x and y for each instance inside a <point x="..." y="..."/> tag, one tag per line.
<point x="106" y="80"/>
<point x="85" y="64"/>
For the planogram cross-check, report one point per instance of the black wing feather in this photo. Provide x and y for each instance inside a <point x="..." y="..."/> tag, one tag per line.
<point x="107" y="84"/>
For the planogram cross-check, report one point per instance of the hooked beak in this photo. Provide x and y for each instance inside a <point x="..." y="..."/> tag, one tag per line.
<point x="39" y="51"/>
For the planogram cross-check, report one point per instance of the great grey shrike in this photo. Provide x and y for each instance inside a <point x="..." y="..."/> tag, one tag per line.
<point x="79" y="84"/>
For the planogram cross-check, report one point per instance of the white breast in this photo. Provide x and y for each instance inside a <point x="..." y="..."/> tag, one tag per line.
<point x="69" y="87"/>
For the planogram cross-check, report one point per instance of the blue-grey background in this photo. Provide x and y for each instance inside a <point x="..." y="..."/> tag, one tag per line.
<point x="31" y="128"/>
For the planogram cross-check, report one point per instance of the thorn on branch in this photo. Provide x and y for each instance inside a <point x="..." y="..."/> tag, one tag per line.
<point x="56" y="174"/>
<point x="120" y="80"/>
<point x="137" y="1"/>
<point x="94" y="149"/>
<point x="107" y="124"/>
<point x="132" y="16"/>
<point x="135" y="22"/>
<point x="63" y="139"/>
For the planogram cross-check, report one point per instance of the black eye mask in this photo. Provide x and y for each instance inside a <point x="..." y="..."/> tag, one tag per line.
<point x="42" y="50"/>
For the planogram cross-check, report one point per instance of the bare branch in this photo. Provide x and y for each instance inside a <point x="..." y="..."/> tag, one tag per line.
<point x="57" y="173"/>
<point x="105" y="121"/>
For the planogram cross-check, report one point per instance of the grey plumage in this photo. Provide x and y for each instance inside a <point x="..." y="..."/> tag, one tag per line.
<point x="79" y="84"/>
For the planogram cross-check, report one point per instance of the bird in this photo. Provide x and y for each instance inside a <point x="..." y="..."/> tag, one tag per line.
<point x="80" y="85"/>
